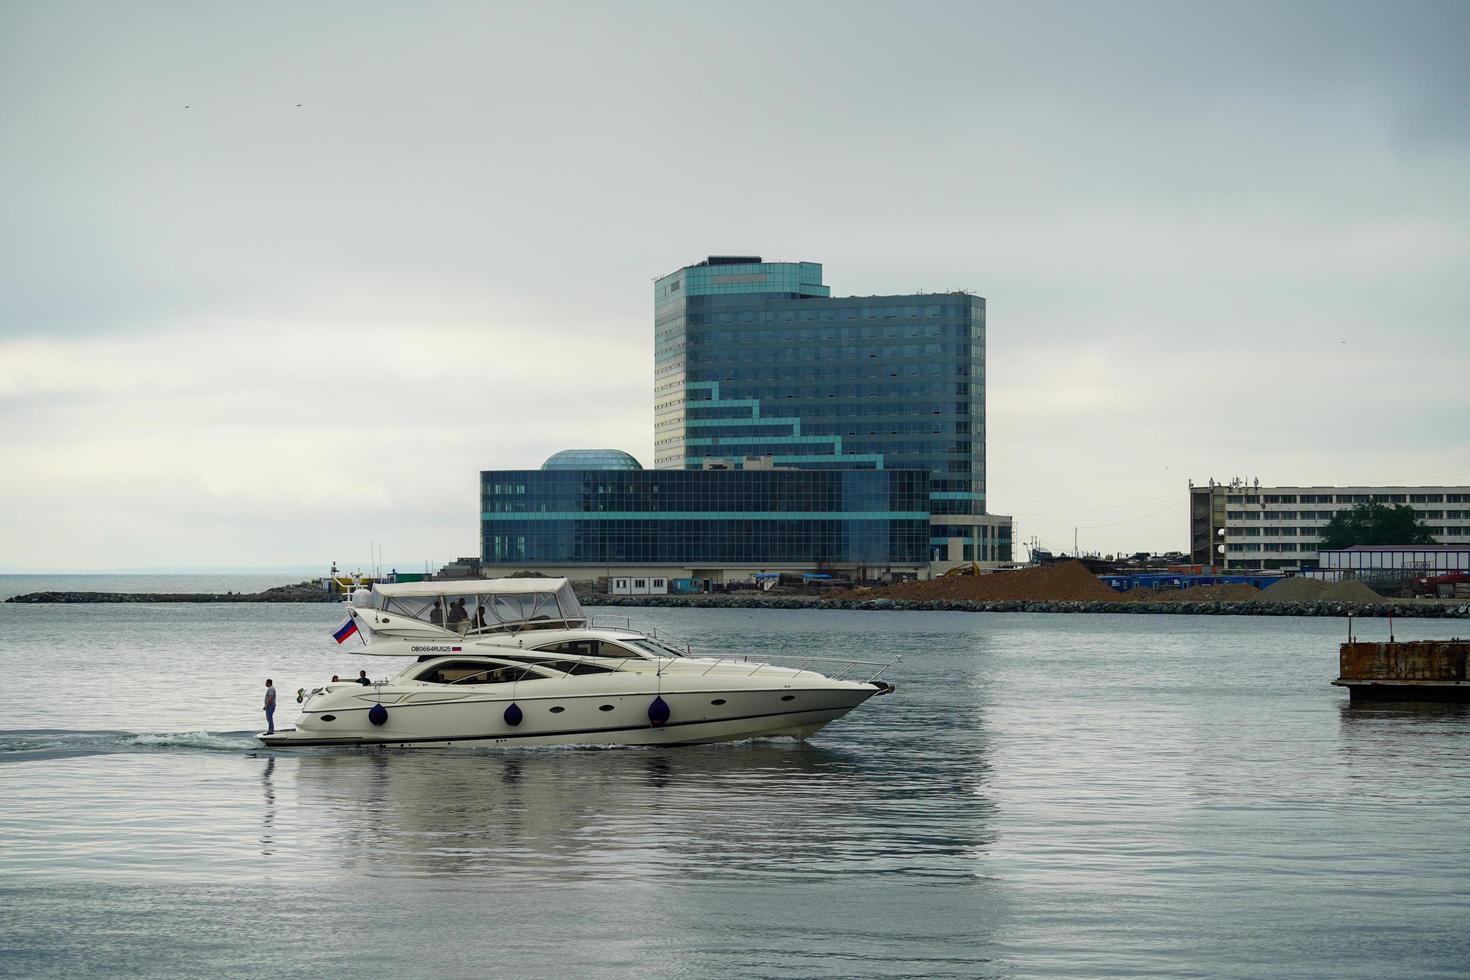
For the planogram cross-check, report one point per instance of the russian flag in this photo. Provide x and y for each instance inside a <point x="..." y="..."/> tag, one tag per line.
<point x="345" y="630"/>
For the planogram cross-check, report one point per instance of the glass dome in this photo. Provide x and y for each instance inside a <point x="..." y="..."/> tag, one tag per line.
<point x="591" y="459"/>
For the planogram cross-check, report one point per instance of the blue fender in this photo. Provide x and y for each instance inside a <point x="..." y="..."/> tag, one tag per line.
<point x="658" y="712"/>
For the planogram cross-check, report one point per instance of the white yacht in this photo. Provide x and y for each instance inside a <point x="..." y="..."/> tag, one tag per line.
<point x="505" y="662"/>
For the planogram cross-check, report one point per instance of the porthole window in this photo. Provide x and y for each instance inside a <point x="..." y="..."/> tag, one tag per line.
<point x="558" y="709"/>
<point x="604" y="707"/>
<point x="718" y="701"/>
<point x="329" y="717"/>
<point x="788" y="697"/>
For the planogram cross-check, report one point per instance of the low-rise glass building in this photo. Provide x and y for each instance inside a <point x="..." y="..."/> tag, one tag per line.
<point x="709" y="522"/>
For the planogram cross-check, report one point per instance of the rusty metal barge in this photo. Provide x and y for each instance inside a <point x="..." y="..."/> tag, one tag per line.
<point x="1420" y="670"/>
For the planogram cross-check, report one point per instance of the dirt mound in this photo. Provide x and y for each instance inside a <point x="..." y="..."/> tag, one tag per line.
<point x="1350" y="591"/>
<point x="1209" y="593"/>
<point x="1295" y="590"/>
<point x="1313" y="590"/>
<point x="1067" y="581"/>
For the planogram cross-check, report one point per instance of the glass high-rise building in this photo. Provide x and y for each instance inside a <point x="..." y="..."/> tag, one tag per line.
<point x="758" y="359"/>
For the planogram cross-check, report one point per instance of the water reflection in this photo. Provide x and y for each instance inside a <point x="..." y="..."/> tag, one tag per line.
<point x="747" y="811"/>
<point x="1400" y="725"/>
<point x="1387" y="743"/>
<point x="1433" y="712"/>
<point x="268" y="810"/>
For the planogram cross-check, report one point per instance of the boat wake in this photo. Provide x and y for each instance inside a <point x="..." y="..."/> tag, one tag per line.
<point x="43" y="744"/>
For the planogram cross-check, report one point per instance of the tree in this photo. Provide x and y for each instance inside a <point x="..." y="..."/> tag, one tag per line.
<point x="1374" y="523"/>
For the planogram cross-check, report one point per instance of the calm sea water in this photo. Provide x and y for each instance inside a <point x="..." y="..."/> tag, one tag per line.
<point x="1044" y="796"/>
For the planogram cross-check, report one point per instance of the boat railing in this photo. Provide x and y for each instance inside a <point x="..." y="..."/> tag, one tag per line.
<point x="833" y="668"/>
<point x="842" y="665"/>
<point x="663" y="637"/>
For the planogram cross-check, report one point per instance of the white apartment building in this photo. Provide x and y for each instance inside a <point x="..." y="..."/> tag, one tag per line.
<point x="1239" y="525"/>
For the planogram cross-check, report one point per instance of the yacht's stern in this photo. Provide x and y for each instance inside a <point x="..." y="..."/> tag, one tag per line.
<point x="286" y="738"/>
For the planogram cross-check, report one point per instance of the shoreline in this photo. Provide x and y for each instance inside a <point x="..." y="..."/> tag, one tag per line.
<point x="1249" y="607"/>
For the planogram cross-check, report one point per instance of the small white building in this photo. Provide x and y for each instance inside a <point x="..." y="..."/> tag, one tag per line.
<point x="1421" y="559"/>
<point x="638" y="585"/>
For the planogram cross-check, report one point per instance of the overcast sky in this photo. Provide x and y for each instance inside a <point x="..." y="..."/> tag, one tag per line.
<point x="278" y="280"/>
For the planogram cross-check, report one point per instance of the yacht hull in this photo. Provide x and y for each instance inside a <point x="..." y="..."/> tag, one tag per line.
<point x="587" y="720"/>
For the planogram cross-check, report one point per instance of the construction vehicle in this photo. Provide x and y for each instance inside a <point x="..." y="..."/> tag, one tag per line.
<point x="1448" y="585"/>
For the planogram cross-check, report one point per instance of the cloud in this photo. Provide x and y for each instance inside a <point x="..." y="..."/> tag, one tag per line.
<point x="262" y="444"/>
<point x="369" y="259"/>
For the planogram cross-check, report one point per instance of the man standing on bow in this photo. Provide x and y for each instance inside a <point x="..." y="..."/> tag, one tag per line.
<point x="270" y="707"/>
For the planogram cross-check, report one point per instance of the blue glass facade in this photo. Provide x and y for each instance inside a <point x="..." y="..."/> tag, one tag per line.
<point x="757" y="358"/>
<point x="711" y="517"/>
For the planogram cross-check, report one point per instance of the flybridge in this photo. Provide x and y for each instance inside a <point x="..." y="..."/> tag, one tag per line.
<point x="446" y="614"/>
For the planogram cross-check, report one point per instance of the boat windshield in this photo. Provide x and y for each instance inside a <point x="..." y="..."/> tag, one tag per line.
<point x="623" y="647"/>
<point x="653" y="648"/>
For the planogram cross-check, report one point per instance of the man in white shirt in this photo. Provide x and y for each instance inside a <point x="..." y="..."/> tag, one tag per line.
<point x="270" y="707"/>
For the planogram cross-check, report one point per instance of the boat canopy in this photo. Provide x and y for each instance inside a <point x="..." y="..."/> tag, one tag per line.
<point x="474" y="586"/>
<point x="475" y="606"/>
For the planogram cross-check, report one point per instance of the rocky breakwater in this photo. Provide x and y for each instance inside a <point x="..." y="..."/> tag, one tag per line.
<point x="752" y="600"/>
<point x="302" y="592"/>
<point x="1067" y="587"/>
